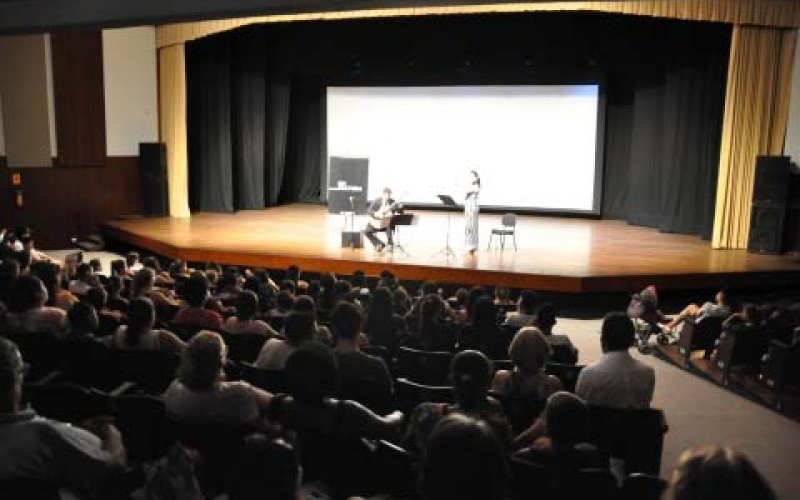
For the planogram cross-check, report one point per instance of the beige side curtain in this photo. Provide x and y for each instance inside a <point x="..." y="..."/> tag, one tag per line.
<point x="172" y="120"/>
<point x="756" y="112"/>
<point x="773" y="13"/>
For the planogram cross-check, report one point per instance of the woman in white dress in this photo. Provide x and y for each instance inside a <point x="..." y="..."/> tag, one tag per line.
<point x="471" y="209"/>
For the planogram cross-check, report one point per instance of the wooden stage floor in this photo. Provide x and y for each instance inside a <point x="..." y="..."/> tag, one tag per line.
<point x="557" y="254"/>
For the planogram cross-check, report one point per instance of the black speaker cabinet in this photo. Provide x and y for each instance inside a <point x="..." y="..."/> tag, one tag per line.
<point x="352" y="239"/>
<point x="766" y="228"/>
<point x="771" y="183"/>
<point x="153" y="171"/>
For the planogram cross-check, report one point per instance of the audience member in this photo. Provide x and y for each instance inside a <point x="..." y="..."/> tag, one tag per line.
<point x="564" y="447"/>
<point x="244" y="321"/>
<point x="526" y="387"/>
<point x="471" y="372"/>
<point x="482" y="332"/>
<point x="83" y="280"/>
<point x="57" y="296"/>
<point x="297" y="330"/>
<point x="144" y="285"/>
<point x="434" y="332"/>
<point x="195" y="314"/>
<point x="200" y="393"/>
<point x="617" y="380"/>
<point x="525" y="313"/>
<point x="27" y="311"/>
<point x="362" y="377"/>
<point x="715" y="472"/>
<point x="719" y="308"/>
<point x="83" y="321"/>
<point x="563" y="350"/>
<point x="464" y="460"/>
<point x="139" y="332"/>
<point x="382" y="325"/>
<point x="305" y="304"/>
<point x="37" y="448"/>
<point x="9" y="272"/>
<point x="266" y="468"/>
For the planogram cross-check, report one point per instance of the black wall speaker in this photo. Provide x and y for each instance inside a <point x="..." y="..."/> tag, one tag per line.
<point x="772" y="179"/>
<point x="766" y="228"/>
<point x="768" y="212"/>
<point x="153" y="171"/>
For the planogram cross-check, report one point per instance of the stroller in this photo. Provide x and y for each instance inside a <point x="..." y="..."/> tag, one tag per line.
<point x="643" y="310"/>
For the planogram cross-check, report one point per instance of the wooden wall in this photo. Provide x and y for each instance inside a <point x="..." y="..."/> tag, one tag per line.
<point x="79" y="101"/>
<point x="62" y="202"/>
<point x="84" y="187"/>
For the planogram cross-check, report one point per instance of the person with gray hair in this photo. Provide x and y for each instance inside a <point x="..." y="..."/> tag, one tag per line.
<point x="33" y="447"/>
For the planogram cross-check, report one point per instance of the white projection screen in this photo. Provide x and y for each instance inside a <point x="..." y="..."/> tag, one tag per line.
<point x="534" y="146"/>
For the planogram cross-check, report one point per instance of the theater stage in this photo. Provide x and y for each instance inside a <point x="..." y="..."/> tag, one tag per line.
<point x="557" y="254"/>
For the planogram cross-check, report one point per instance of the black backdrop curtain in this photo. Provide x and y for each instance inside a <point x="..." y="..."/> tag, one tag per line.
<point x="256" y="99"/>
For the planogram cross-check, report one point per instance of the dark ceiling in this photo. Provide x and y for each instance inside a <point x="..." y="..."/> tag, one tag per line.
<point x="21" y="16"/>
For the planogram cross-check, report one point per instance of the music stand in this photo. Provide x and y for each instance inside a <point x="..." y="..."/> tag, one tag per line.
<point x="402" y="220"/>
<point x="448" y="201"/>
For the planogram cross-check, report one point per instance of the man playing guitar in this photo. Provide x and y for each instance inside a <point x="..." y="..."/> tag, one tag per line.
<point x="381" y="212"/>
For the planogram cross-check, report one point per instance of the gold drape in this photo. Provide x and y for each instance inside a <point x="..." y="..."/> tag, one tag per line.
<point x="756" y="112"/>
<point x="172" y="121"/>
<point x="774" y="13"/>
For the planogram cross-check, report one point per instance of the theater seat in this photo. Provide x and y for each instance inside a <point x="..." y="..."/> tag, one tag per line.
<point x="424" y="367"/>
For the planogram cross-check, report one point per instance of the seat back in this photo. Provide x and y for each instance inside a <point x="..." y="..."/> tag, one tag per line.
<point x="509" y="220"/>
<point x="65" y="401"/>
<point x="243" y="346"/>
<point x="635" y="436"/>
<point x="143" y="423"/>
<point x="699" y="335"/>
<point x="274" y="381"/>
<point x="408" y="394"/>
<point x="41" y="351"/>
<point x="425" y="367"/>
<point x="568" y="374"/>
<point x="151" y="371"/>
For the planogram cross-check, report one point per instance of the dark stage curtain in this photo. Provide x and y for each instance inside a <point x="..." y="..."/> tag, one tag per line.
<point x="662" y="147"/>
<point x="208" y="113"/>
<point x="242" y="102"/>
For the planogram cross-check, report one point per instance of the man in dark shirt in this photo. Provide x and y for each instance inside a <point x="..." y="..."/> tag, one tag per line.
<point x="563" y="350"/>
<point x="362" y="377"/>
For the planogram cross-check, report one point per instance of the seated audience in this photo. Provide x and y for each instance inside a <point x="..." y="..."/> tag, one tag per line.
<point x="715" y="472"/>
<point x="115" y="288"/>
<point x="27" y="312"/>
<point x="382" y="325"/>
<point x="304" y="304"/>
<point x="297" y="330"/>
<point x="144" y="285"/>
<point x="526" y="387"/>
<point x="132" y="262"/>
<point x="360" y="375"/>
<point x="284" y="302"/>
<point x="83" y="322"/>
<point x="464" y="460"/>
<point x="525" y="313"/>
<point x="482" y="331"/>
<point x="471" y="372"/>
<point x="9" y="272"/>
<point x="244" y="321"/>
<point x="434" y="331"/>
<point x="195" y="314"/>
<point x="720" y="308"/>
<point x="57" y="296"/>
<point x="139" y="332"/>
<point x="84" y="279"/>
<point x="200" y="393"/>
<point x="313" y="378"/>
<point x="563" y="350"/>
<point x="33" y="447"/>
<point x="617" y="380"/>
<point x="267" y="468"/>
<point x="564" y="447"/>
